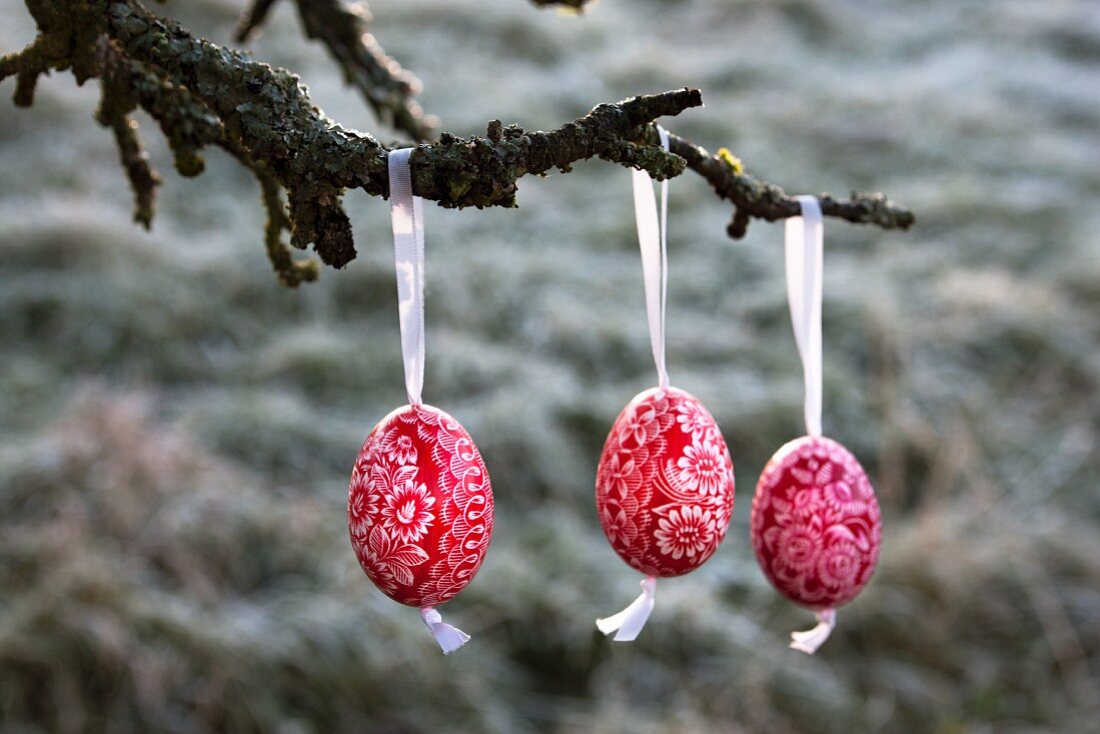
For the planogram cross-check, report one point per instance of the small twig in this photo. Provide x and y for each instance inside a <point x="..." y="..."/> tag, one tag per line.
<point x="252" y="19"/>
<point x="342" y="27"/>
<point x="290" y="272"/>
<point x="27" y="65"/>
<point x="576" y="5"/>
<point x="115" y="107"/>
<point x="756" y="198"/>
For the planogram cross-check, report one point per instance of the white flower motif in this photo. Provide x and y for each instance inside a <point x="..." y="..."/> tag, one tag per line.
<point x="402" y="451"/>
<point x="618" y="528"/>
<point x="688" y="531"/>
<point x="378" y="486"/>
<point x="371" y="450"/>
<point x="407" y="511"/>
<point x="838" y="566"/>
<point x="639" y="426"/>
<point x="702" y="468"/>
<point x="723" y="511"/>
<point x="623" y="475"/>
<point x="693" y="419"/>
<point x="358" y="507"/>
<point x="841" y="497"/>
<point x="805" y="502"/>
<point x="797" y="547"/>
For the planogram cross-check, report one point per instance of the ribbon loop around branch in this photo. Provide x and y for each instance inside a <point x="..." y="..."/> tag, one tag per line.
<point x="652" y="240"/>
<point x="407" y="219"/>
<point x="805" y="244"/>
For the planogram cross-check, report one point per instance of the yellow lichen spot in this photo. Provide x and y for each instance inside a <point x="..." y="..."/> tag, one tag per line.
<point x="731" y="160"/>
<point x="574" y="8"/>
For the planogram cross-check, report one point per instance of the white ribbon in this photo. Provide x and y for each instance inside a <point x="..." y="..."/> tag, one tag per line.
<point x="805" y="255"/>
<point x="805" y="239"/>
<point x="653" y="243"/>
<point x="449" y="638"/>
<point x="652" y="240"/>
<point x="810" y="640"/>
<point x="407" y="216"/>
<point x="629" y="622"/>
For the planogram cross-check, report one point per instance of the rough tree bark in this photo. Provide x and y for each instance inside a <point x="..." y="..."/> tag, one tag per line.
<point x="202" y="94"/>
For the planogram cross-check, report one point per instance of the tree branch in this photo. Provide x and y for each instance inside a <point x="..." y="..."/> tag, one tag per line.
<point x="575" y="5"/>
<point x="759" y="199"/>
<point x="269" y="112"/>
<point x="37" y="58"/>
<point x="342" y="27"/>
<point x="116" y="104"/>
<point x="203" y="94"/>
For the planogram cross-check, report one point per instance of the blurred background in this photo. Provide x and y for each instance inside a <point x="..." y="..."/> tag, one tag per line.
<point x="177" y="429"/>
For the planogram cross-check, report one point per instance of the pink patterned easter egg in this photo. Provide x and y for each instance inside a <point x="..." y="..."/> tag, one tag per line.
<point x="664" y="486"/>
<point x="816" y="527"/>
<point x="420" y="506"/>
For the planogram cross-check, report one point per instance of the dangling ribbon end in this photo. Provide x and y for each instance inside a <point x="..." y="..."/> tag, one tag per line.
<point x="628" y="623"/>
<point x="449" y="638"/>
<point x="607" y="625"/>
<point x="810" y="640"/>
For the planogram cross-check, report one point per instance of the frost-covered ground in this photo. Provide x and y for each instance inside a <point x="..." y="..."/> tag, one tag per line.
<point x="176" y="429"/>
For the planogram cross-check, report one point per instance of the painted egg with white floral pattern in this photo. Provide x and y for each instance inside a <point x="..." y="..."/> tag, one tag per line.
<point x="664" y="486"/>
<point x="420" y="506"/>
<point x="816" y="528"/>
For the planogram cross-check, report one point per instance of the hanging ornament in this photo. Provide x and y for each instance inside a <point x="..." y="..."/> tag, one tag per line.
<point x="420" y="505"/>
<point x="816" y="528"/>
<point x="664" y="486"/>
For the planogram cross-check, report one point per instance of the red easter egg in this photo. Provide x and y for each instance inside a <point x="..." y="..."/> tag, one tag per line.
<point x="664" y="486"/>
<point x="420" y="506"/>
<point x="816" y="528"/>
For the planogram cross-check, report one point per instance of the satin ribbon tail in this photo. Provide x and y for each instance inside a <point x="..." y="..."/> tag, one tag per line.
<point x="449" y="638"/>
<point x="810" y="640"/>
<point x="628" y="623"/>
